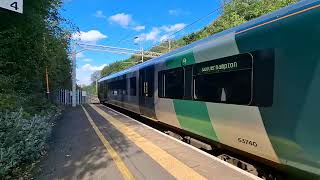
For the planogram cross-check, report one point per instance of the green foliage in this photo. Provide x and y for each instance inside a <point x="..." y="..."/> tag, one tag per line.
<point x="237" y="12"/>
<point x="90" y="89"/>
<point x="30" y="42"/>
<point x="23" y="138"/>
<point x="117" y="66"/>
<point x="234" y="13"/>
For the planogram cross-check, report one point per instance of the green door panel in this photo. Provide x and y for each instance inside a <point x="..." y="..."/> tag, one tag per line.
<point x="193" y="116"/>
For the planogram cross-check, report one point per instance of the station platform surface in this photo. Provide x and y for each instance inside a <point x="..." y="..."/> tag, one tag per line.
<point x="96" y="142"/>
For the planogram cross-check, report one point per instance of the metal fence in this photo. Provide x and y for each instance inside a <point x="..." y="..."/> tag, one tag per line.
<point x="64" y="96"/>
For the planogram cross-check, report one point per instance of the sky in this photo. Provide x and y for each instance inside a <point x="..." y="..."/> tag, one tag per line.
<point x="133" y="24"/>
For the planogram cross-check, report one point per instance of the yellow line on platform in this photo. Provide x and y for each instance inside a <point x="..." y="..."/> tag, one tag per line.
<point x="127" y="175"/>
<point x="175" y="167"/>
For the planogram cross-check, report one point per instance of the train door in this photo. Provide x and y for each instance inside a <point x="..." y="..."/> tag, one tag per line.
<point x="123" y="87"/>
<point x="146" y="92"/>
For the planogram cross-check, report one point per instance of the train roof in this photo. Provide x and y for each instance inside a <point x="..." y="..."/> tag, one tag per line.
<point x="283" y="12"/>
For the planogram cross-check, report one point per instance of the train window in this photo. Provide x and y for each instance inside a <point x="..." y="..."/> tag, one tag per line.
<point x="133" y="86"/>
<point x="118" y="87"/>
<point x="110" y="88"/>
<point x="229" y="87"/>
<point x="227" y="80"/>
<point x="149" y="82"/>
<point x="171" y="83"/>
<point x="123" y="86"/>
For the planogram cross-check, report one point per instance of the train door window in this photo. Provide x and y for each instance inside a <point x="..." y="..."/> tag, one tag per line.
<point x="104" y="89"/>
<point x="116" y="88"/>
<point x="123" y="86"/>
<point x="150" y="81"/>
<point x="227" y="80"/>
<point x="188" y="82"/>
<point x="171" y="83"/>
<point x="146" y="82"/>
<point x="133" y="86"/>
<point x="110" y="88"/>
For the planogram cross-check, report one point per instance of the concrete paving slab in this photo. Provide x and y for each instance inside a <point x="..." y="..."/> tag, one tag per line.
<point x="76" y="152"/>
<point x="211" y="168"/>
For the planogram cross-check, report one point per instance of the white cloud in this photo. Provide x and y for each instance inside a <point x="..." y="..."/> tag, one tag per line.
<point x="174" y="12"/>
<point x="85" y="71"/>
<point x="139" y="28"/>
<point x="87" y="60"/>
<point x="99" y="14"/>
<point x="175" y="27"/>
<point x="159" y="33"/>
<point x="84" y="80"/>
<point x="151" y="36"/>
<point x="90" y="68"/>
<point x="121" y="19"/>
<point x="80" y="55"/>
<point x="177" y="12"/>
<point x="90" y="36"/>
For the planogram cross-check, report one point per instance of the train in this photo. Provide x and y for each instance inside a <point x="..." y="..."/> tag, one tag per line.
<point x="254" y="89"/>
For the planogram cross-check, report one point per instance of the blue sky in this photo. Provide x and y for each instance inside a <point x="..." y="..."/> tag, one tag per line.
<point x="118" y="22"/>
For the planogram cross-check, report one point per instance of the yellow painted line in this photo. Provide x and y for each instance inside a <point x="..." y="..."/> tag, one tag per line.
<point x="175" y="167"/>
<point x="127" y="175"/>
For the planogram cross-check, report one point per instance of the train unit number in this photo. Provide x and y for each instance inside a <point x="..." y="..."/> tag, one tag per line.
<point x="246" y="141"/>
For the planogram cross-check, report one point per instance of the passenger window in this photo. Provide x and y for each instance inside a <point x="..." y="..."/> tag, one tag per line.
<point x="133" y="87"/>
<point x="118" y="87"/>
<point x="227" y="80"/>
<point x="171" y="83"/>
<point x="230" y="87"/>
<point x="123" y="86"/>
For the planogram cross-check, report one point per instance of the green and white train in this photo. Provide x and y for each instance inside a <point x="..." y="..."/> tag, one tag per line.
<point x="254" y="88"/>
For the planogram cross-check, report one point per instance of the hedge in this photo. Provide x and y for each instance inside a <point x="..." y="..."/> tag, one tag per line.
<point x="23" y="138"/>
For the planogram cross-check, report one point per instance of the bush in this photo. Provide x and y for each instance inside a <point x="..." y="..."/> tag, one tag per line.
<point x="23" y="138"/>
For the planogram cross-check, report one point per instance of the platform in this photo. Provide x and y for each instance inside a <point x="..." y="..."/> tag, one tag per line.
<point x="96" y="142"/>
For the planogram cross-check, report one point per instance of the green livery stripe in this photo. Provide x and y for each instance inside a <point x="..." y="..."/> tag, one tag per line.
<point x="193" y="116"/>
<point x="185" y="58"/>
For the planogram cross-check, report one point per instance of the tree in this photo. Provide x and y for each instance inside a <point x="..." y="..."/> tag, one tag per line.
<point x="95" y="76"/>
<point x="117" y="66"/>
<point x="30" y="42"/>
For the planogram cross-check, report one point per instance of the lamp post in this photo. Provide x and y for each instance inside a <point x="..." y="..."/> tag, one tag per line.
<point x="164" y="42"/>
<point x="74" y="88"/>
<point x="141" y="48"/>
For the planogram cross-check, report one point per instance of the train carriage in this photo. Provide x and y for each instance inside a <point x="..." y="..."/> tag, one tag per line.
<point x="254" y="88"/>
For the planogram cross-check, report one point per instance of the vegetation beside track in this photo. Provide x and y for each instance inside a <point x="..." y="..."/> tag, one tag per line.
<point x="23" y="139"/>
<point x="30" y="43"/>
